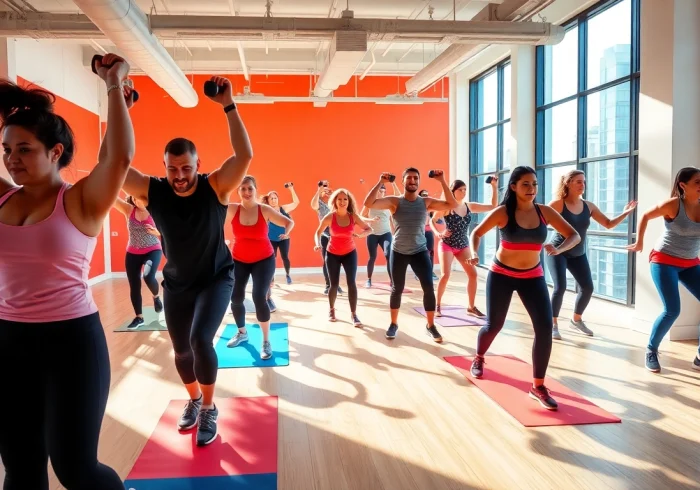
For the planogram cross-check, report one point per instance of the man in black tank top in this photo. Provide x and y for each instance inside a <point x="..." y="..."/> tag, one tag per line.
<point x="189" y="210"/>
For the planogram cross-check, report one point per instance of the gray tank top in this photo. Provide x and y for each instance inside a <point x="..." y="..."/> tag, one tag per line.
<point x="323" y="210"/>
<point x="409" y="223"/>
<point x="681" y="238"/>
<point x="382" y="226"/>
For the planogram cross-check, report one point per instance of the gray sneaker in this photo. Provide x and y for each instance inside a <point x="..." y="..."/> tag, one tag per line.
<point x="238" y="339"/>
<point x="555" y="333"/>
<point x="652" y="361"/>
<point x="579" y="326"/>
<point x="190" y="415"/>
<point x="206" y="426"/>
<point x="266" y="351"/>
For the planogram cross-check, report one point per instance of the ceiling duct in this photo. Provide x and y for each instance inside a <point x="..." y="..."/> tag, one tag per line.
<point x="123" y="23"/>
<point x="347" y="50"/>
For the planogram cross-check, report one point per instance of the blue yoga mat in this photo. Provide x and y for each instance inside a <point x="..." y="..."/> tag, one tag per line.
<point x="248" y="353"/>
<point x="266" y="481"/>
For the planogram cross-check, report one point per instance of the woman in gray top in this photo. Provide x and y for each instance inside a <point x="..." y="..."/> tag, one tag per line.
<point x="382" y="233"/>
<point x="674" y="258"/>
<point x="410" y="212"/>
<point x="578" y="213"/>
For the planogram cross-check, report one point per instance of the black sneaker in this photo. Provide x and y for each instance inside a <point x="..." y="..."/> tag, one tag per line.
<point x="136" y="323"/>
<point x="652" y="361"/>
<point x="477" y="369"/>
<point x="158" y="305"/>
<point x="271" y="304"/>
<point x="696" y="363"/>
<point x="206" y="426"/>
<point x="433" y="332"/>
<point x="391" y="331"/>
<point x="541" y="394"/>
<point x="190" y="415"/>
<point x="289" y="279"/>
<point x="325" y="291"/>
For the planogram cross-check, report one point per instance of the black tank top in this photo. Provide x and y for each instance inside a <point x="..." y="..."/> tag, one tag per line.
<point x="459" y="226"/>
<point x="192" y="229"/>
<point x="580" y="222"/>
<point x="523" y="236"/>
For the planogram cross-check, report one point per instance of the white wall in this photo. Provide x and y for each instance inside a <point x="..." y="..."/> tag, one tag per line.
<point x="58" y="66"/>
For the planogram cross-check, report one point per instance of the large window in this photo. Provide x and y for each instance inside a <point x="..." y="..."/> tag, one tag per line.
<point x="489" y="138"/>
<point x="587" y="97"/>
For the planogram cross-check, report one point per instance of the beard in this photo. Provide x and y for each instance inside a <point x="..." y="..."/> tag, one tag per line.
<point x="182" y="186"/>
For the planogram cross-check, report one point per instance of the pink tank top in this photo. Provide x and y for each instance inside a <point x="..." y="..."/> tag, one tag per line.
<point x="44" y="269"/>
<point x="341" y="241"/>
<point x="140" y="240"/>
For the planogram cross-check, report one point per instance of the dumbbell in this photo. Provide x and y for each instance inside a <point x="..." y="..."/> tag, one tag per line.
<point x="431" y="174"/>
<point x="211" y="89"/>
<point x="392" y="177"/>
<point x="93" y="65"/>
<point x="322" y="184"/>
<point x="288" y="185"/>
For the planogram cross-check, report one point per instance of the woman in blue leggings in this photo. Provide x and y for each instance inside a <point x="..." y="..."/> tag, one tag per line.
<point x="674" y="258"/>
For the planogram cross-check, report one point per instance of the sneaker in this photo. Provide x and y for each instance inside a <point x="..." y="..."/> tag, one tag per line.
<point x="432" y="331"/>
<point x="190" y="415"/>
<point x="438" y="313"/>
<point x="356" y="321"/>
<point x="555" y="332"/>
<point x="477" y="369"/>
<point x="652" y="362"/>
<point x="368" y="284"/>
<point x="238" y="339"/>
<point x="340" y="290"/>
<point x="435" y="277"/>
<point x="331" y="315"/>
<point x="206" y="426"/>
<point x="579" y="326"/>
<point x="391" y="331"/>
<point x="271" y="304"/>
<point x="474" y="311"/>
<point x="289" y="279"/>
<point x="135" y="323"/>
<point x="325" y="291"/>
<point x="266" y="351"/>
<point x="696" y="363"/>
<point x="158" y="305"/>
<point x="541" y="394"/>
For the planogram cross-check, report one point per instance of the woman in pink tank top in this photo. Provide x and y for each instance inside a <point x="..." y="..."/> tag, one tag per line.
<point x="342" y="220"/>
<point x="51" y="337"/>
<point x="143" y="252"/>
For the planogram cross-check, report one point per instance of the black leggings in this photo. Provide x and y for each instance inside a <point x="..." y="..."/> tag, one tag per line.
<point x="149" y="262"/>
<point x="262" y="272"/>
<point x="193" y="316"/>
<point x="373" y="241"/>
<point x="420" y="263"/>
<point x="534" y="294"/>
<point x="430" y="243"/>
<point x="324" y="251"/>
<point x="56" y="404"/>
<point x="283" y="246"/>
<point x="581" y="270"/>
<point x="349" y="263"/>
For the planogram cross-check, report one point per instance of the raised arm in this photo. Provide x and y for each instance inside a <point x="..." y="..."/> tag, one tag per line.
<point x="606" y="222"/>
<point x="230" y="174"/>
<point x="497" y="217"/>
<point x="571" y="237"/>
<point x="447" y="204"/>
<point x="477" y="207"/>
<point x="322" y="225"/>
<point x="667" y="209"/>
<point x="123" y="207"/>
<point x="372" y="202"/>
<point x="279" y="219"/>
<point x="99" y="190"/>
<point x="397" y="192"/>
<point x="295" y="200"/>
<point x="317" y="196"/>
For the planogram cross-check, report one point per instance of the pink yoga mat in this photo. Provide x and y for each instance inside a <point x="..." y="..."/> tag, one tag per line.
<point x="454" y="316"/>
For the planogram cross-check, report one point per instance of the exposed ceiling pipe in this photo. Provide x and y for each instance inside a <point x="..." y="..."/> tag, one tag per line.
<point x="513" y="11"/>
<point x="127" y="27"/>
<point x="241" y="54"/>
<point x="369" y="67"/>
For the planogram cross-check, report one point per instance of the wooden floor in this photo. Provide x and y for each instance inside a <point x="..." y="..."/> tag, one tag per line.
<point x="359" y="412"/>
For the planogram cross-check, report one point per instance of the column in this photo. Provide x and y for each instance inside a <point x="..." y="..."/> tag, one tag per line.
<point x="459" y="126"/>
<point x="523" y="102"/>
<point x="669" y="122"/>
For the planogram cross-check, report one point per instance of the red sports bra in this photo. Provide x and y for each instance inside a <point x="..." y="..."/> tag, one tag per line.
<point x="251" y="243"/>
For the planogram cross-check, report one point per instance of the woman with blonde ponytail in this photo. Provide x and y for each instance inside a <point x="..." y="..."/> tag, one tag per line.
<point x="577" y="212"/>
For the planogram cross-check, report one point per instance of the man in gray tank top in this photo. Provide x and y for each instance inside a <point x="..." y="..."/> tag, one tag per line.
<point x="410" y="213"/>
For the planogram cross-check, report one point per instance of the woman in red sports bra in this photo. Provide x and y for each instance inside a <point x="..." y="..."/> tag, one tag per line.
<point x="341" y="251"/>
<point x="253" y="255"/>
<point x="523" y="227"/>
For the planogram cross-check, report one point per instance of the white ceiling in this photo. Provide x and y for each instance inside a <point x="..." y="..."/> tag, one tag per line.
<point x="221" y="56"/>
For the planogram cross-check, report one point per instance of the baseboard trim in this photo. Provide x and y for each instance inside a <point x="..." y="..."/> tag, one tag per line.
<point x="683" y="332"/>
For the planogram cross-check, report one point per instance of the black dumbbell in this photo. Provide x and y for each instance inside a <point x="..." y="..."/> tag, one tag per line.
<point x="392" y="177"/>
<point x="431" y="174"/>
<point x="211" y="89"/>
<point x="288" y="184"/>
<point x="321" y="184"/>
<point x="93" y="65"/>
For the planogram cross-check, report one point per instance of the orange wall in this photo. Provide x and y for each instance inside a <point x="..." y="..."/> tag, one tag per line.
<point x="86" y="127"/>
<point x="342" y="142"/>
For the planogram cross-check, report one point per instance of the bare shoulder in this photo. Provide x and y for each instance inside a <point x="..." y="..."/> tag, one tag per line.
<point x="557" y="205"/>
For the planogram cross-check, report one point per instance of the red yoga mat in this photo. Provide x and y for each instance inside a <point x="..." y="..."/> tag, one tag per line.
<point x="246" y="443"/>
<point x="507" y="381"/>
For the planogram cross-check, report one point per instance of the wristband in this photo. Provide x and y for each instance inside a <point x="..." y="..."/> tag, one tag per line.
<point x="230" y="107"/>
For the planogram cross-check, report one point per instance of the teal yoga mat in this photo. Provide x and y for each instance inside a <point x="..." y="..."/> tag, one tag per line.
<point x="247" y="354"/>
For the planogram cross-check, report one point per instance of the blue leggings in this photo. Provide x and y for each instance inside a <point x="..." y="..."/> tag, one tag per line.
<point x="666" y="279"/>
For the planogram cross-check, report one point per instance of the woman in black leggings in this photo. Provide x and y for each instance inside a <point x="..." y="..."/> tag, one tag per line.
<point x="381" y="236"/>
<point x="52" y="342"/>
<point x="272" y="200"/>
<point x="142" y="252"/>
<point x="516" y="267"/>
<point x="578" y="213"/>
<point x="341" y="222"/>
